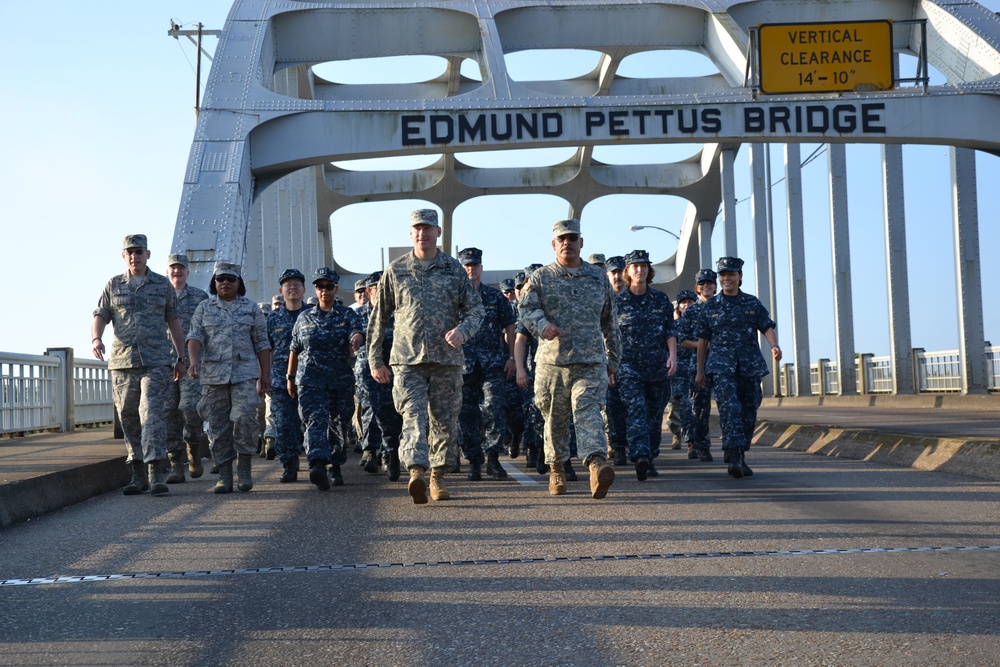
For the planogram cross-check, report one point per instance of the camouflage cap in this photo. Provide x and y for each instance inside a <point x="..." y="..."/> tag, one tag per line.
<point x="277" y="299"/>
<point x="135" y="241"/>
<point x="359" y="285"/>
<point x="687" y="294"/>
<point x="470" y="256"/>
<point x="177" y="259"/>
<point x="226" y="269"/>
<point x="290" y="274"/>
<point x="324" y="273"/>
<point x="338" y="300"/>
<point x="507" y="285"/>
<point x="519" y="279"/>
<point x="597" y="258"/>
<point x="424" y="216"/>
<point x="730" y="264"/>
<point x="616" y="263"/>
<point x="706" y="276"/>
<point x="373" y="279"/>
<point x="637" y="257"/>
<point x="531" y="268"/>
<point x="564" y="227"/>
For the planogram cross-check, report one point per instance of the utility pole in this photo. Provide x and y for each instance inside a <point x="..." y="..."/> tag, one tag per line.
<point x="195" y="37"/>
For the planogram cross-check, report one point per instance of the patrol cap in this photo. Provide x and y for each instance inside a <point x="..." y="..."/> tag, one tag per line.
<point x="616" y="263"/>
<point x="424" y="216"/>
<point x="324" y="273"/>
<point x="359" y="285"/>
<point x="289" y="274"/>
<point x="564" y="227"/>
<point x="277" y="299"/>
<point x="373" y="278"/>
<point x="177" y="259"/>
<point x="470" y="256"/>
<point x="686" y="294"/>
<point x="507" y="285"/>
<point x="135" y="241"/>
<point x="637" y="257"/>
<point x="596" y="258"/>
<point x="528" y="270"/>
<point x="732" y="264"/>
<point x="338" y="300"/>
<point x="706" y="276"/>
<point x="226" y="269"/>
<point x="520" y="278"/>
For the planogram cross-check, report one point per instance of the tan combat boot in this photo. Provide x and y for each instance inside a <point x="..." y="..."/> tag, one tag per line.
<point x="417" y="486"/>
<point x="194" y="460"/>
<point x="438" y="492"/>
<point x="557" y="480"/>
<point x="602" y="476"/>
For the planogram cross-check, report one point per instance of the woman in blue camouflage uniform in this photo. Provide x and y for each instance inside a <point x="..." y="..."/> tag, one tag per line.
<point x="730" y="322"/>
<point x="649" y="357"/>
<point x="320" y="376"/>
<point x="680" y="385"/>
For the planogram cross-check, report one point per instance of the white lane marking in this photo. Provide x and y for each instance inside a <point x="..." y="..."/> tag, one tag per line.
<point x="521" y="477"/>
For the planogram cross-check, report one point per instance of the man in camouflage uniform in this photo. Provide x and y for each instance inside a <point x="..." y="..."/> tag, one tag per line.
<point x="184" y="424"/>
<point x="568" y="305"/>
<point x="137" y="304"/>
<point x="615" y="409"/>
<point x="319" y="374"/>
<point x="229" y="351"/>
<point x="437" y="310"/>
<point x="730" y="322"/>
<point x="701" y="396"/>
<point x="489" y="361"/>
<point x="285" y="409"/>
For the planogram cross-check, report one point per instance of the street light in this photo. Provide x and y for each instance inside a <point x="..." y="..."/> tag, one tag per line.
<point x="635" y="228"/>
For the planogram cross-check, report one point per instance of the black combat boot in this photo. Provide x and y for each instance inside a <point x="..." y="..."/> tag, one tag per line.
<point x="392" y="467"/>
<point x="621" y="457"/>
<point x="747" y="470"/>
<point x="318" y="475"/>
<point x="568" y="471"/>
<point x="652" y="472"/>
<point x="493" y="467"/>
<point x="371" y="464"/>
<point x="641" y="468"/>
<point x="475" y="470"/>
<point x="515" y="446"/>
<point x="336" y="477"/>
<point x="291" y="473"/>
<point x="705" y="456"/>
<point x="735" y="458"/>
<point x="531" y="458"/>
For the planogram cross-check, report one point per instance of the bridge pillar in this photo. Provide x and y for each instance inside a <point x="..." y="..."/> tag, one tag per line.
<point x="763" y="260"/>
<point x="705" y="259"/>
<point x="797" y="267"/>
<point x="728" y="160"/>
<point x="898" y="278"/>
<point x="843" y="312"/>
<point x="971" y="329"/>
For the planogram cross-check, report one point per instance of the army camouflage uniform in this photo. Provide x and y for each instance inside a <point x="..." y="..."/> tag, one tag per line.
<point x="284" y="409"/>
<point x="483" y="383"/>
<point x="141" y="360"/>
<point x="231" y="334"/>
<point x="734" y="362"/>
<point x="184" y="424"/>
<point x="571" y="370"/>
<point x="428" y="299"/>
<point x="645" y="322"/>
<point x="324" y="379"/>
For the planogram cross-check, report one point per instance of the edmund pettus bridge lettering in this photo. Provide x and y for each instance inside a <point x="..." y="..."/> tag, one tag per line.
<point x="472" y="128"/>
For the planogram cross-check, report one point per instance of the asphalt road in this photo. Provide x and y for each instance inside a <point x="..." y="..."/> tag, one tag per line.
<point x="719" y="587"/>
<point x="950" y="423"/>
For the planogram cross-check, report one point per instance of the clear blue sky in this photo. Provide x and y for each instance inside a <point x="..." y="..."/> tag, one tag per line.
<point x="98" y="109"/>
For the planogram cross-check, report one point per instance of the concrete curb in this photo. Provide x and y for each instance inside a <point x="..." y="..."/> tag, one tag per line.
<point x="983" y="402"/>
<point x="977" y="458"/>
<point x="30" y="498"/>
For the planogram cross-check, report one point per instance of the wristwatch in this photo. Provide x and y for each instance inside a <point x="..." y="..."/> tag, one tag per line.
<point x="182" y="360"/>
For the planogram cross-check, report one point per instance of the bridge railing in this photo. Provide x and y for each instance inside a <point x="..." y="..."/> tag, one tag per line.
<point x="52" y="392"/>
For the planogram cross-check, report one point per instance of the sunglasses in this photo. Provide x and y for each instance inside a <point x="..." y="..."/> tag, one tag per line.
<point x="326" y="287"/>
<point x="226" y="278"/>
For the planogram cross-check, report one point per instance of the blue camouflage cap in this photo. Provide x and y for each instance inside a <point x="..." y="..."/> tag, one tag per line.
<point x="732" y="264"/>
<point x="528" y="270"/>
<point x="706" y="276"/>
<point x="616" y="263"/>
<point x="325" y="273"/>
<point x="507" y="285"/>
<point x="371" y="280"/>
<point x="289" y="274"/>
<point x="687" y="294"/>
<point x="519" y="278"/>
<point x="470" y="256"/>
<point x="637" y="257"/>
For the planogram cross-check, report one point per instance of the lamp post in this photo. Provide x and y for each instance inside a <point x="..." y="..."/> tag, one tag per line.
<point x="635" y="228"/>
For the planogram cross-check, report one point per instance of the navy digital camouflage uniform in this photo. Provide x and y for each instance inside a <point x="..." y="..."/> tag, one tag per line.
<point x="141" y="359"/>
<point x="646" y="322"/>
<point x="184" y="424"/>
<point x="681" y="383"/>
<point x="615" y="410"/>
<point x="288" y="440"/>
<point x="380" y="423"/>
<point x="428" y="299"/>
<point x="734" y="362"/>
<point x="232" y="335"/>
<point x="482" y="416"/>
<point x="701" y="397"/>
<point x="324" y="378"/>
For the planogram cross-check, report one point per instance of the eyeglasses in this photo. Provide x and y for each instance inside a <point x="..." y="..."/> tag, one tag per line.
<point x="326" y="287"/>
<point x="226" y="278"/>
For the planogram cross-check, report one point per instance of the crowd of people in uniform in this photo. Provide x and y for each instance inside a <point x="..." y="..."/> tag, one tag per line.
<point x="576" y="359"/>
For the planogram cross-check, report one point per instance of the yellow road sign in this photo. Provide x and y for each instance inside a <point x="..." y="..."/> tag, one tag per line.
<point x="825" y="57"/>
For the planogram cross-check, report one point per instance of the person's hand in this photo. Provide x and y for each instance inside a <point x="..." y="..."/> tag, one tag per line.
<point x="455" y="338"/>
<point x="263" y="386"/>
<point x="699" y="379"/>
<point x="612" y="378"/>
<point x="509" y="369"/>
<point x="381" y="375"/>
<point x="551" y="332"/>
<point x="194" y="370"/>
<point x="523" y="379"/>
<point x="180" y="370"/>
<point x="292" y="389"/>
<point x="671" y="366"/>
<point x="776" y="353"/>
<point x="98" y="348"/>
<point x="357" y="340"/>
